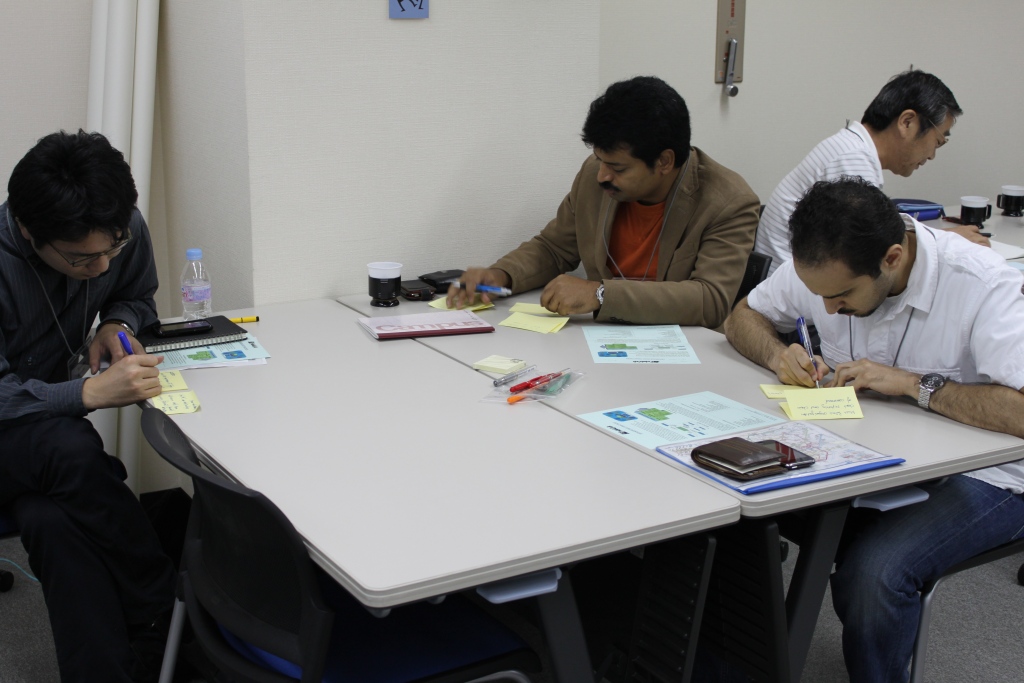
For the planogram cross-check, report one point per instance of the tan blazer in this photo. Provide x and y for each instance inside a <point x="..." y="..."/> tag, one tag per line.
<point x="701" y="258"/>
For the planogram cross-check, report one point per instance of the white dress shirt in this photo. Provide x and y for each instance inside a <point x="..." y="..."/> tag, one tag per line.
<point x="961" y="315"/>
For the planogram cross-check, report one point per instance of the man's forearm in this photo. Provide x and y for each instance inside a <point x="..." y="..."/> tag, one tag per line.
<point x="754" y="336"/>
<point x="989" y="406"/>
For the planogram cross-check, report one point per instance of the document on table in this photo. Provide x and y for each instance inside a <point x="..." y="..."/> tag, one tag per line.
<point x="834" y="456"/>
<point x="232" y="354"/>
<point x="1007" y="251"/>
<point x="833" y="403"/>
<point x="682" y="418"/>
<point x="641" y="344"/>
<point x="532" y="309"/>
<point x="441" y="304"/>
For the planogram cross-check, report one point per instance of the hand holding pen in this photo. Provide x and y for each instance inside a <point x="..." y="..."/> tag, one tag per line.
<point x="488" y="282"/>
<point x="805" y="339"/>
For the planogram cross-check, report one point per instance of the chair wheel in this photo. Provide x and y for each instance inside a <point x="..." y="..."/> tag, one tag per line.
<point x="6" y="580"/>
<point x="1020" y="575"/>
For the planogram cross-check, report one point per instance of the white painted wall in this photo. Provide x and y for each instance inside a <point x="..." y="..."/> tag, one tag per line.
<point x="810" y="66"/>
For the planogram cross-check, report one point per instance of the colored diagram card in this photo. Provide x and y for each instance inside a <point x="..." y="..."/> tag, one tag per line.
<point x="834" y="456"/>
<point x="532" y="309"/>
<point x="640" y="344"/>
<point x="534" y="323"/>
<point x="171" y="380"/>
<point x="441" y="304"/>
<point x="177" y="402"/>
<point x="778" y="390"/>
<point x="683" y="418"/>
<point x="837" y="403"/>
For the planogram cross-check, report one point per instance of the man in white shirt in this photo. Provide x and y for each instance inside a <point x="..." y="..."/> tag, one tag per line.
<point x="925" y="315"/>
<point x="901" y="129"/>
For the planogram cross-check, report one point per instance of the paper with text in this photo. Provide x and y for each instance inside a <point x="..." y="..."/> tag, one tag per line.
<point x="640" y="345"/>
<point x="836" y="403"/>
<point x="171" y="380"/>
<point x="177" y="402"/>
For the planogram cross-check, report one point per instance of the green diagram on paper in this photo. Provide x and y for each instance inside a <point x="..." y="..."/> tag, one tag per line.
<point x="655" y="414"/>
<point x="201" y="355"/>
<point x="619" y="347"/>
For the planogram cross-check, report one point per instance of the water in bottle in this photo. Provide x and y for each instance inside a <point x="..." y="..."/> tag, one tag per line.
<point x="195" y="287"/>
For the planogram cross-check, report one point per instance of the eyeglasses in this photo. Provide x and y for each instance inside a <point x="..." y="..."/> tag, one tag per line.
<point x="89" y="258"/>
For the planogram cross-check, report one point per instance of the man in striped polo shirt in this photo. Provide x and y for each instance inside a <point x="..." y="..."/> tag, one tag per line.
<point x="901" y="129"/>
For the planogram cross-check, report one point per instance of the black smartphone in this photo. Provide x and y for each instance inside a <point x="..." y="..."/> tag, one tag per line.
<point x="417" y="290"/>
<point x="182" y="329"/>
<point x="792" y="458"/>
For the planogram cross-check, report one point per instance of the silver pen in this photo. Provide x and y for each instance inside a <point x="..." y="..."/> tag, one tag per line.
<point x="513" y="376"/>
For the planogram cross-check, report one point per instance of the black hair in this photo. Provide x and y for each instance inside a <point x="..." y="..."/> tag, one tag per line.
<point x="70" y="185"/>
<point x="644" y="114"/>
<point x="848" y="220"/>
<point x="921" y="92"/>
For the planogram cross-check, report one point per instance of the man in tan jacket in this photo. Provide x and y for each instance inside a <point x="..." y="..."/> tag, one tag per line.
<point x="662" y="230"/>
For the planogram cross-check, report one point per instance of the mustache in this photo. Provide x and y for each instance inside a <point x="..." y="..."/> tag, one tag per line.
<point x="606" y="185"/>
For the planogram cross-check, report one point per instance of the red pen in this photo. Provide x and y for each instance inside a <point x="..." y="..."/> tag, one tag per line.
<point x="536" y="381"/>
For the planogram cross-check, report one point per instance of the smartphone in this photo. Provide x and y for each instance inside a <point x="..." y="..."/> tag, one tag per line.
<point x="795" y="460"/>
<point x="417" y="290"/>
<point x="182" y="329"/>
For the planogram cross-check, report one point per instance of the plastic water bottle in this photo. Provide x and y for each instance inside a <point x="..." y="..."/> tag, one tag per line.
<point x="195" y="287"/>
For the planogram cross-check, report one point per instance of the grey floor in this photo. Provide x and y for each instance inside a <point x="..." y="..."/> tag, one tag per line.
<point x="976" y="630"/>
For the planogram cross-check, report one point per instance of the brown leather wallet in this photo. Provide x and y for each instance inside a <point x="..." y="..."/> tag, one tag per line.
<point x="738" y="458"/>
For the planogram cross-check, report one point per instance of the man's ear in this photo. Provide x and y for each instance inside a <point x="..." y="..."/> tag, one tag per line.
<point x="665" y="162"/>
<point x="24" y="233"/>
<point x="894" y="257"/>
<point x="908" y="124"/>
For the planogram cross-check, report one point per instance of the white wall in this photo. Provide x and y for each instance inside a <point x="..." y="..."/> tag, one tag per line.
<point x="810" y="66"/>
<point x="437" y="143"/>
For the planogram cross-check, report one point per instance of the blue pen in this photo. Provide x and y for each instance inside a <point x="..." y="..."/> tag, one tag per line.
<point x="805" y="339"/>
<point x="487" y="289"/>
<point x="125" y="344"/>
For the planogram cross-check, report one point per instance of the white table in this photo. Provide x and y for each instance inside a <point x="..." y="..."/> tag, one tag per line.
<point x="1008" y="229"/>
<point x="404" y="484"/>
<point x="933" y="446"/>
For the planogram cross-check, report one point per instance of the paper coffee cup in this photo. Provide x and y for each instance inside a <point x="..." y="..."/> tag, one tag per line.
<point x="974" y="202"/>
<point x="384" y="270"/>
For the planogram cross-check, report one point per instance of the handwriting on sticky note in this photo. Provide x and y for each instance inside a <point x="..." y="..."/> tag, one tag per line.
<point x="177" y="402"/>
<point x="837" y="403"/>
<point x="532" y="309"/>
<point x="534" y="323"/>
<point x="441" y="304"/>
<point x="171" y="380"/>
<point x="778" y="390"/>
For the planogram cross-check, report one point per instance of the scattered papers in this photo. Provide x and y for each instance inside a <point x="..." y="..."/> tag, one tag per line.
<point x="682" y="418"/>
<point x="441" y="304"/>
<point x="835" y="456"/>
<point x="535" y="323"/>
<point x="1007" y="251"/>
<point x="836" y="403"/>
<point x="171" y="380"/>
<point x="177" y="402"/>
<point x="647" y="344"/>
<point x="778" y="390"/>
<point x="531" y="309"/>
<point x="501" y="365"/>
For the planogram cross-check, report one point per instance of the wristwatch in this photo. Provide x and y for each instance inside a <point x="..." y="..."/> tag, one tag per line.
<point x="121" y="323"/>
<point x="600" y="295"/>
<point x="929" y="384"/>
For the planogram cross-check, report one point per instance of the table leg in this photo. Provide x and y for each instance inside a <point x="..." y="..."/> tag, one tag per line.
<point x="810" y="577"/>
<point x="564" y="633"/>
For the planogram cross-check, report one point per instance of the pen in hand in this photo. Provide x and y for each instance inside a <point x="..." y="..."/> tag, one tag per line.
<point x="125" y="344"/>
<point x="486" y="289"/>
<point x="805" y="339"/>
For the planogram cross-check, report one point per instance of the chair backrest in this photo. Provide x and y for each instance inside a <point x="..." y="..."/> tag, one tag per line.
<point x="246" y="566"/>
<point x="755" y="274"/>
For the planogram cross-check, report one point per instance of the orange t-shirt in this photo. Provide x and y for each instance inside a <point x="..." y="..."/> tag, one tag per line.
<point x="634" y="240"/>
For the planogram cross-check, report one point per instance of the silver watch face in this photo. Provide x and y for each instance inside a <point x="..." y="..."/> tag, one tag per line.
<point x="932" y="381"/>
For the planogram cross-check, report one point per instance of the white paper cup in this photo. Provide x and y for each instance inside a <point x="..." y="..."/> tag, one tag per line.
<point x="974" y="201"/>
<point x="1013" y="190"/>
<point x="385" y="270"/>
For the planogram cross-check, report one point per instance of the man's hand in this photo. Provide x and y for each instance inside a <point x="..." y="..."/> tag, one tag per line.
<point x="464" y="295"/>
<point x="866" y="374"/>
<point x="129" y="380"/>
<point x="972" y="233"/>
<point x="568" y="295"/>
<point x="106" y="345"/>
<point x="794" y="366"/>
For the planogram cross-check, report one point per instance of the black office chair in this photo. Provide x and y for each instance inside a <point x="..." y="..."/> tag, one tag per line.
<point x="755" y="274"/>
<point x="257" y="602"/>
<point x="928" y="592"/>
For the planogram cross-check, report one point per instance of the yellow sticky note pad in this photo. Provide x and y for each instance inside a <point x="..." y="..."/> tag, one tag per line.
<point x="778" y="390"/>
<point x="838" y="403"/>
<point x="534" y="323"/>
<point x="171" y="380"/>
<point x="441" y="304"/>
<point x="531" y="309"/>
<point x="177" y="402"/>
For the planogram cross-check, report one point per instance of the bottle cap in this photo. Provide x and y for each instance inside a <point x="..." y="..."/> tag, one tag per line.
<point x="193" y="254"/>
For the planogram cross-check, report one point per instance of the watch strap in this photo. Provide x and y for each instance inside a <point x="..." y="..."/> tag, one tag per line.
<point x="126" y="326"/>
<point x="600" y="294"/>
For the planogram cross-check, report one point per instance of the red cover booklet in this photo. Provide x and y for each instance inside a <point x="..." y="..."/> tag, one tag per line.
<point x="426" y="325"/>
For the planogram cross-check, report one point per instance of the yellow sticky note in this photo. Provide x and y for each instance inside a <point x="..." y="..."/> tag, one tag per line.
<point x="534" y="323"/>
<point x="177" y="402"/>
<point x="785" y="409"/>
<point x="171" y="380"/>
<point x="441" y="304"/>
<point x="777" y="390"/>
<point x="822" y="404"/>
<point x="532" y="309"/>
